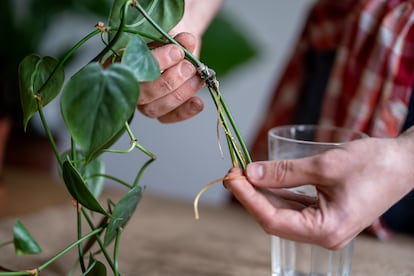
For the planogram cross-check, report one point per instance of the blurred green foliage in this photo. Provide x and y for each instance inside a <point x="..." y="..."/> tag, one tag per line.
<point x="225" y="46"/>
<point x="23" y="24"/>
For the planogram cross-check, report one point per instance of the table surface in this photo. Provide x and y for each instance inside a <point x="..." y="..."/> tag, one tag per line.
<point x="163" y="238"/>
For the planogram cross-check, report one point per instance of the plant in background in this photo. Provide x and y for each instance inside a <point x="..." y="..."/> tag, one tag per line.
<point x="97" y="104"/>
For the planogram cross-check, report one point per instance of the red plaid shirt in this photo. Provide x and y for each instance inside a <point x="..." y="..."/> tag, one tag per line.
<point x="372" y="76"/>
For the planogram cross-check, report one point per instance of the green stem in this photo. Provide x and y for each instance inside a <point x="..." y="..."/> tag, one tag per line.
<point x="137" y="145"/>
<point x="112" y="43"/>
<point x="144" y="150"/>
<point x="80" y="250"/>
<point x="131" y="148"/>
<point x="116" y="250"/>
<point x="49" y="133"/>
<point x="6" y="243"/>
<point x="16" y="273"/>
<point x="235" y="128"/>
<point x="151" y="37"/>
<point x="188" y="54"/>
<point x="234" y="150"/>
<point x="70" y="53"/>
<point x="141" y="171"/>
<point x="98" y="239"/>
<point x="112" y="178"/>
<point x="70" y="247"/>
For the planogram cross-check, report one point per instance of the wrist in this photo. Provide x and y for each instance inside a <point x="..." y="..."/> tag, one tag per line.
<point x="197" y="16"/>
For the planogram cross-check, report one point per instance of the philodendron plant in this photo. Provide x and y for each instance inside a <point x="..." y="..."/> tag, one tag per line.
<point x="97" y="104"/>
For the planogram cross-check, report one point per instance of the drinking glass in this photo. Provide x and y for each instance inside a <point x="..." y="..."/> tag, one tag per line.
<point x="290" y="258"/>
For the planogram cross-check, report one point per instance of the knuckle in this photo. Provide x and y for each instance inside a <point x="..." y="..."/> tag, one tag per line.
<point x="331" y="236"/>
<point x="147" y="110"/>
<point x="324" y="163"/>
<point x="166" y="84"/>
<point x="280" y="170"/>
<point x="180" y="96"/>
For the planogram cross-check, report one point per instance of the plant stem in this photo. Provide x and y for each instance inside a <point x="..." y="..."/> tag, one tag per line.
<point x="6" y="243"/>
<point x="98" y="239"/>
<point x="16" y="273"/>
<point x="153" y="38"/>
<point x="49" y="133"/>
<point x="111" y="43"/>
<point x="70" y="247"/>
<point x="137" y="145"/>
<point x="144" y="150"/>
<point x="234" y="149"/>
<point x="116" y="250"/>
<point x="141" y="171"/>
<point x="235" y="128"/>
<point x="80" y="250"/>
<point x="69" y="54"/>
<point x="112" y="178"/>
<point x="191" y="57"/>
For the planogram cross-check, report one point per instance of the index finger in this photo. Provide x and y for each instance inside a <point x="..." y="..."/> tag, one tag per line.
<point x="170" y="54"/>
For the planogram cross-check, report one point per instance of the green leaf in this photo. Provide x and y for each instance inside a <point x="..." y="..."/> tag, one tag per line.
<point x="23" y="241"/>
<point x="78" y="188"/>
<point x="139" y="59"/>
<point x="89" y="171"/>
<point x="96" y="268"/>
<point x="167" y="13"/>
<point x="96" y="103"/>
<point x="34" y="71"/>
<point x="123" y="211"/>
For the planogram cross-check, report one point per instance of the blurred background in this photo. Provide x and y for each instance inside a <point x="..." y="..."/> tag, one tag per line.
<point x="188" y="153"/>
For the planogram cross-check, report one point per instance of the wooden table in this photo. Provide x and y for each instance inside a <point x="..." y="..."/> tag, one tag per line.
<point x="163" y="238"/>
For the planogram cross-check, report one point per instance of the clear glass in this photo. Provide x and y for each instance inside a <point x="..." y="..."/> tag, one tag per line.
<point x="291" y="258"/>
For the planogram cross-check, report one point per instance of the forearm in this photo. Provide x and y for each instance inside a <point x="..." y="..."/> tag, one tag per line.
<point x="197" y="16"/>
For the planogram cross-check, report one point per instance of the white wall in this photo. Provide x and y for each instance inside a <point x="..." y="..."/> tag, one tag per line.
<point x="188" y="154"/>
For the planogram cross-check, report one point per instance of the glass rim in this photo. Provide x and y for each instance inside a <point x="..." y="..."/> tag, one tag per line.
<point x="299" y="127"/>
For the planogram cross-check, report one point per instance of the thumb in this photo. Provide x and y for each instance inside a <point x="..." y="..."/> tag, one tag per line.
<point x="283" y="173"/>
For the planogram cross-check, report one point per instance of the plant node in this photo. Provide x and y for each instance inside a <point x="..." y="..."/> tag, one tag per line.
<point x="133" y="3"/>
<point x="76" y="204"/>
<point x="209" y="76"/>
<point x="38" y="98"/>
<point x="101" y="27"/>
<point x="34" y="271"/>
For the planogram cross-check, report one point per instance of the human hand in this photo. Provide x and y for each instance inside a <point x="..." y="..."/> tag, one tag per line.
<point x="171" y="98"/>
<point x="356" y="184"/>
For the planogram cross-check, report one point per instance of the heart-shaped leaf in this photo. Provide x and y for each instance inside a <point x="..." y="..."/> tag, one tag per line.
<point x="139" y="59"/>
<point x="34" y="72"/>
<point x="23" y="241"/>
<point x="89" y="171"/>
<point x="78" y="188"/>
<point x="167" y="13"/>
<point x="96" y="268"/>
<point x="96" y="103"/>
<point x="123" y="211"/>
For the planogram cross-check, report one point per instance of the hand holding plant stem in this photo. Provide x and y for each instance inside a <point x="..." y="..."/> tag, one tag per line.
<point x="97" y="104"/>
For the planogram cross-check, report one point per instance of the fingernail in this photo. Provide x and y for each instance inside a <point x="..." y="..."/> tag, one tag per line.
<point x="255" y="171"/>
<point x="175" y="54"/>
<point x="187" y="69"/>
